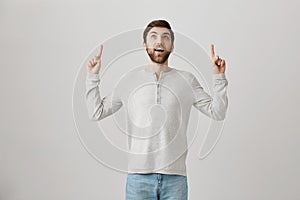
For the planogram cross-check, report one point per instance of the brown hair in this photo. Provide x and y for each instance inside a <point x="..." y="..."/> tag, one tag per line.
<point x="158" y="23"/>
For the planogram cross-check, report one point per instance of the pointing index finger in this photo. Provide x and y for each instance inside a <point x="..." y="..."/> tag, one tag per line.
<point x="100" y="51"/>
<point x="212" y="50"/>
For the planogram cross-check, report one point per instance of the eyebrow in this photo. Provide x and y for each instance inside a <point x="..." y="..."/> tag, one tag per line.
<point x="163" y="33"/>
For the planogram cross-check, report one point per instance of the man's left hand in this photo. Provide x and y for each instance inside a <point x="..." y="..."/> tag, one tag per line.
<point x="219" y="64"/>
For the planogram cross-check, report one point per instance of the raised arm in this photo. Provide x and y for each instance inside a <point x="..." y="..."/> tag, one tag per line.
<point x="214" y="106"/>
<point x="98" y="108"/>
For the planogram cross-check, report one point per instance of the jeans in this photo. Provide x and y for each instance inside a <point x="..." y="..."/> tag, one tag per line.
<point x="156" y="186"/>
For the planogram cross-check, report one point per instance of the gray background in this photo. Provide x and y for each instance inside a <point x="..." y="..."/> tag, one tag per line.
<point x="43" y="44"/>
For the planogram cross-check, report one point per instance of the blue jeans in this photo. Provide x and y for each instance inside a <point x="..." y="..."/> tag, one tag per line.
<point x="156" y="186"/>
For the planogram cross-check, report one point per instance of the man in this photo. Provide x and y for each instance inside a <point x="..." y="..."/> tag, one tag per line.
<point x="157" y="170"/>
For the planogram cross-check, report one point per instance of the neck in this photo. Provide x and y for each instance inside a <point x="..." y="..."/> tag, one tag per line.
<point x="157" y="67"/>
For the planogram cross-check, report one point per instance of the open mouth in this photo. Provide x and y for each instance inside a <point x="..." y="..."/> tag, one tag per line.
<point x="159" y="50"/>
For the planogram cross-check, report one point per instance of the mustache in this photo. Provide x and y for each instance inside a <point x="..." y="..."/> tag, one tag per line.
<point x="154" y="48"/>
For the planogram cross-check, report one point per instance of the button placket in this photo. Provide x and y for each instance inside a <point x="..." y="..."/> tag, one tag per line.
<point x="158" y="87"/>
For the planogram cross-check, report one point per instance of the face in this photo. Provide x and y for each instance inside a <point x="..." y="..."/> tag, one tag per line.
<point x="159" y="44"/>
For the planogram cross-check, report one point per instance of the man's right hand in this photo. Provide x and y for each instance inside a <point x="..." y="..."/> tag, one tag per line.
<point x="94" y="64"/>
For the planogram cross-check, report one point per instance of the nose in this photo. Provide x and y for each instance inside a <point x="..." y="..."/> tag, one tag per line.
<point x="158" y="40"/>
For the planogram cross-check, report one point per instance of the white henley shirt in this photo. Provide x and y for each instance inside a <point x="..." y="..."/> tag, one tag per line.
<point x="157" y="114"/>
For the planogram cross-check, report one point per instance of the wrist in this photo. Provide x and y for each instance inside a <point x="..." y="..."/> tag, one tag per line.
<point x="92" y="75"/>
<point x="219" y="76"/>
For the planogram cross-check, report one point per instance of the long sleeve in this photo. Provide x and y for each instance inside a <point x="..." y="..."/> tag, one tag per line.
<point x="216" y="106"/>
<point x="99" y="108"/>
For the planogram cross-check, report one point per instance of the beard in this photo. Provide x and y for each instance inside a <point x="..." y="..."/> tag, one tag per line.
<point x="160" y="59"/>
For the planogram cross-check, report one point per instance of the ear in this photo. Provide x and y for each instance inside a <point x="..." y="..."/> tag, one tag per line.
<point x="144" y="44"/>
<point x="172" y="48"/>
